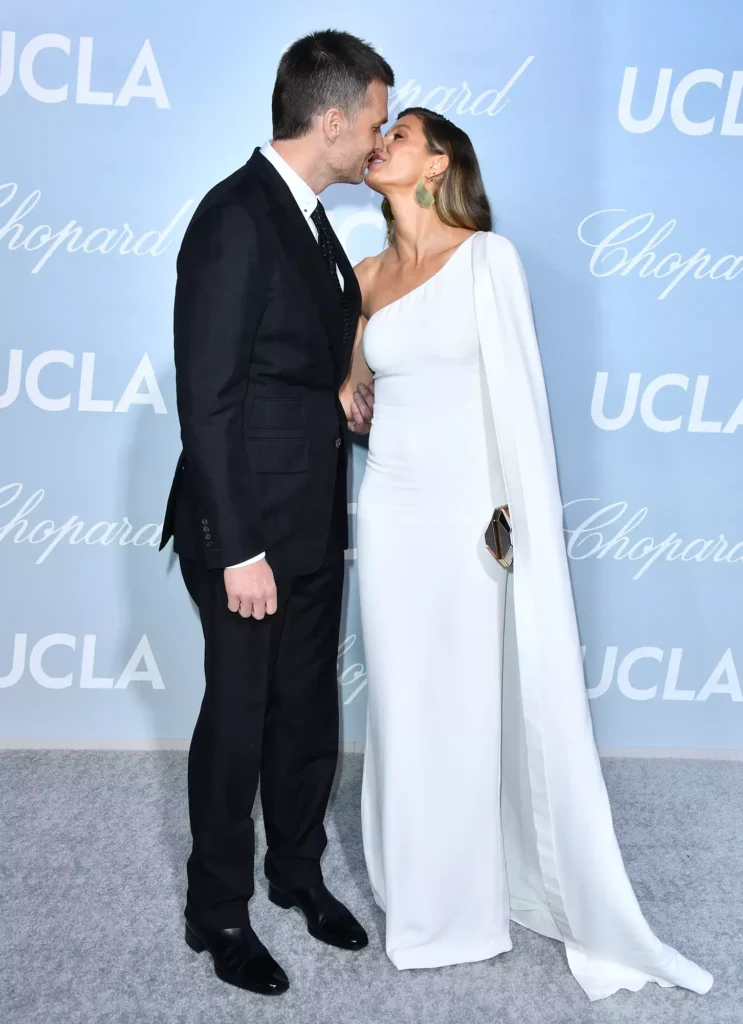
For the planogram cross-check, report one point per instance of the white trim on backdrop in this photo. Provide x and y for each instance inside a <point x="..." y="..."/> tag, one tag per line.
<point x="347" y="747"/>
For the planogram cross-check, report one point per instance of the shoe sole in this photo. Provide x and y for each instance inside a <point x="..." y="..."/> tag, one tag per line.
<point x="194" y="942"/>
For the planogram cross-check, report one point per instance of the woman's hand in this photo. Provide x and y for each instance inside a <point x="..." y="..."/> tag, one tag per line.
<point x="362" y="408"/>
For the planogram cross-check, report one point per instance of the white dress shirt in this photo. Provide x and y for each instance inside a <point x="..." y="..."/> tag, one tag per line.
<point x="304" y="197"/>
<point x="306" y="200"/>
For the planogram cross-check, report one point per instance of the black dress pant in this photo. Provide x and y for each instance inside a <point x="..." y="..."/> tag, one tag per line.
<point x="270" y="713"/>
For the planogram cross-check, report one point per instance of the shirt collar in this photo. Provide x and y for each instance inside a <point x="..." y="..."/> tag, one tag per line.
<point x="304" y="197"/>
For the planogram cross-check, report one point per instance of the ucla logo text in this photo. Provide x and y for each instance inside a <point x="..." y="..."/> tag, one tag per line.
<point x="665" y="680"/>
<point x="719" y="96"/>
<point x="684" y="397"/>
<point x="57" y="394"/>
<point x="48" y="79"/>
<point x="48" y="663"/>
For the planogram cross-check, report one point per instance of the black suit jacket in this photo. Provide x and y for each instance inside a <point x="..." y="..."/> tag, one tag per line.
<point x="260" y="356"/>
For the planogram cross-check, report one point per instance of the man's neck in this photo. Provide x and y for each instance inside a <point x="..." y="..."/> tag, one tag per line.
<point x="304" y="159"/>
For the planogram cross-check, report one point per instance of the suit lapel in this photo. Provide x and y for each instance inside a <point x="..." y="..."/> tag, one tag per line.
<point x="303" y="250"/>
<point x="352" y="297"/>
<point x="351" y="289"/>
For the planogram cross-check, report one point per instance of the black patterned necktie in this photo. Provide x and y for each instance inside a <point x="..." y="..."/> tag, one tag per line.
<point x="327" y="248"/>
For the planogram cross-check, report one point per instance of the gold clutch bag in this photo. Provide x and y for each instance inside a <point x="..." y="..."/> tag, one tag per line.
<point x="498" y="537"/>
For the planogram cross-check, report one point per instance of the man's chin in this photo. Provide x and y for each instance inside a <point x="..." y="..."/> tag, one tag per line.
<point x="360" y="176"/>
<point x="349" y="178"/>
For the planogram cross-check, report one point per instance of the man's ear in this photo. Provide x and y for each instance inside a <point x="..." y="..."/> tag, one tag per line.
<point x="332" y="123"/>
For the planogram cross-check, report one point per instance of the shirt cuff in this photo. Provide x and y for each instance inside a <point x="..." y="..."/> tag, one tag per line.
<point x="249" y="561"/>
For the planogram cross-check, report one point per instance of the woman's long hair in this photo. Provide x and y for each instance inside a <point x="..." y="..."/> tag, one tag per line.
<point x="459" y="193"/>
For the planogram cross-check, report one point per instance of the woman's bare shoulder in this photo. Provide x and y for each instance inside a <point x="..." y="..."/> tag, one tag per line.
<point x="366" y="274"/>
<point x="367" y="269"/>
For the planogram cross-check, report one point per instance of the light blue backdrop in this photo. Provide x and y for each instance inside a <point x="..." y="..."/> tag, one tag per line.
<point x="610" y="138"/>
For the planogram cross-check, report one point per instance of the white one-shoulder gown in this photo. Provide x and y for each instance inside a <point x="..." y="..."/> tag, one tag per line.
<point x="474" y="810"/>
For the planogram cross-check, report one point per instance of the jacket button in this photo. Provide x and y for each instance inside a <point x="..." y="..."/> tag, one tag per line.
<point x="338" y="442"/>
<point x="208" y="543"/>
<point x="205" y="521"/>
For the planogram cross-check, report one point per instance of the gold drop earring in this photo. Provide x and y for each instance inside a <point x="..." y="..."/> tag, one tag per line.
<point x="423" y="196"/>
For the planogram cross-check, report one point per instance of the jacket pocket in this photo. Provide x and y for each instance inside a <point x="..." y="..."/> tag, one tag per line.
<point x="277" y="454"/>
<point x="275" y="414"/>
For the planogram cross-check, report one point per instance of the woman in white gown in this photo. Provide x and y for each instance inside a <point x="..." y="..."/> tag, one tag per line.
<point x="483" y="800"/>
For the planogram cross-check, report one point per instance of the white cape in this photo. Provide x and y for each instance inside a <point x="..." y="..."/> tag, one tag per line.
<point x="565" y="871"/>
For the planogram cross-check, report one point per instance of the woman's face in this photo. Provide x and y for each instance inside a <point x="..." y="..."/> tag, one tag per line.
<point x="403" y="158"/>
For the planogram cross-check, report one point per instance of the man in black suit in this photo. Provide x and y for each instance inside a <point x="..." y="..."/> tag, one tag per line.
<point x="266" y="310"/>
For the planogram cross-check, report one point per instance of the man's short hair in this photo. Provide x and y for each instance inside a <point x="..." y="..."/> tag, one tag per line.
<point x="323" y="70"/>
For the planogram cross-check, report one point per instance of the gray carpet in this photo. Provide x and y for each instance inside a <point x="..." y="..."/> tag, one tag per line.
<point x="93" y="847"/>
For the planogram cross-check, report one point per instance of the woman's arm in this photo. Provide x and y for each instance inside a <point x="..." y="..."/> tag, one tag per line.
<point x="359" y="373"/>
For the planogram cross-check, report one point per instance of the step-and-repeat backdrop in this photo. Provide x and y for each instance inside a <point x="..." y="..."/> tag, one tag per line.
<point x="610" y="138"/>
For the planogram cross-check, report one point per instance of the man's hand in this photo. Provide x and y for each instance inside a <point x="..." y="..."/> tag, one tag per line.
<point x="251" y="590"/>
<point x="362" y="408"/>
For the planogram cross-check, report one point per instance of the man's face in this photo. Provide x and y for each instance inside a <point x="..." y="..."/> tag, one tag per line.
<point x="359" y="138"/>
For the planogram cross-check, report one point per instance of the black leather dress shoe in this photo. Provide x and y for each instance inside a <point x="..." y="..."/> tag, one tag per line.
<point x="240" y="958"/>
<point x="327" y="919"/>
